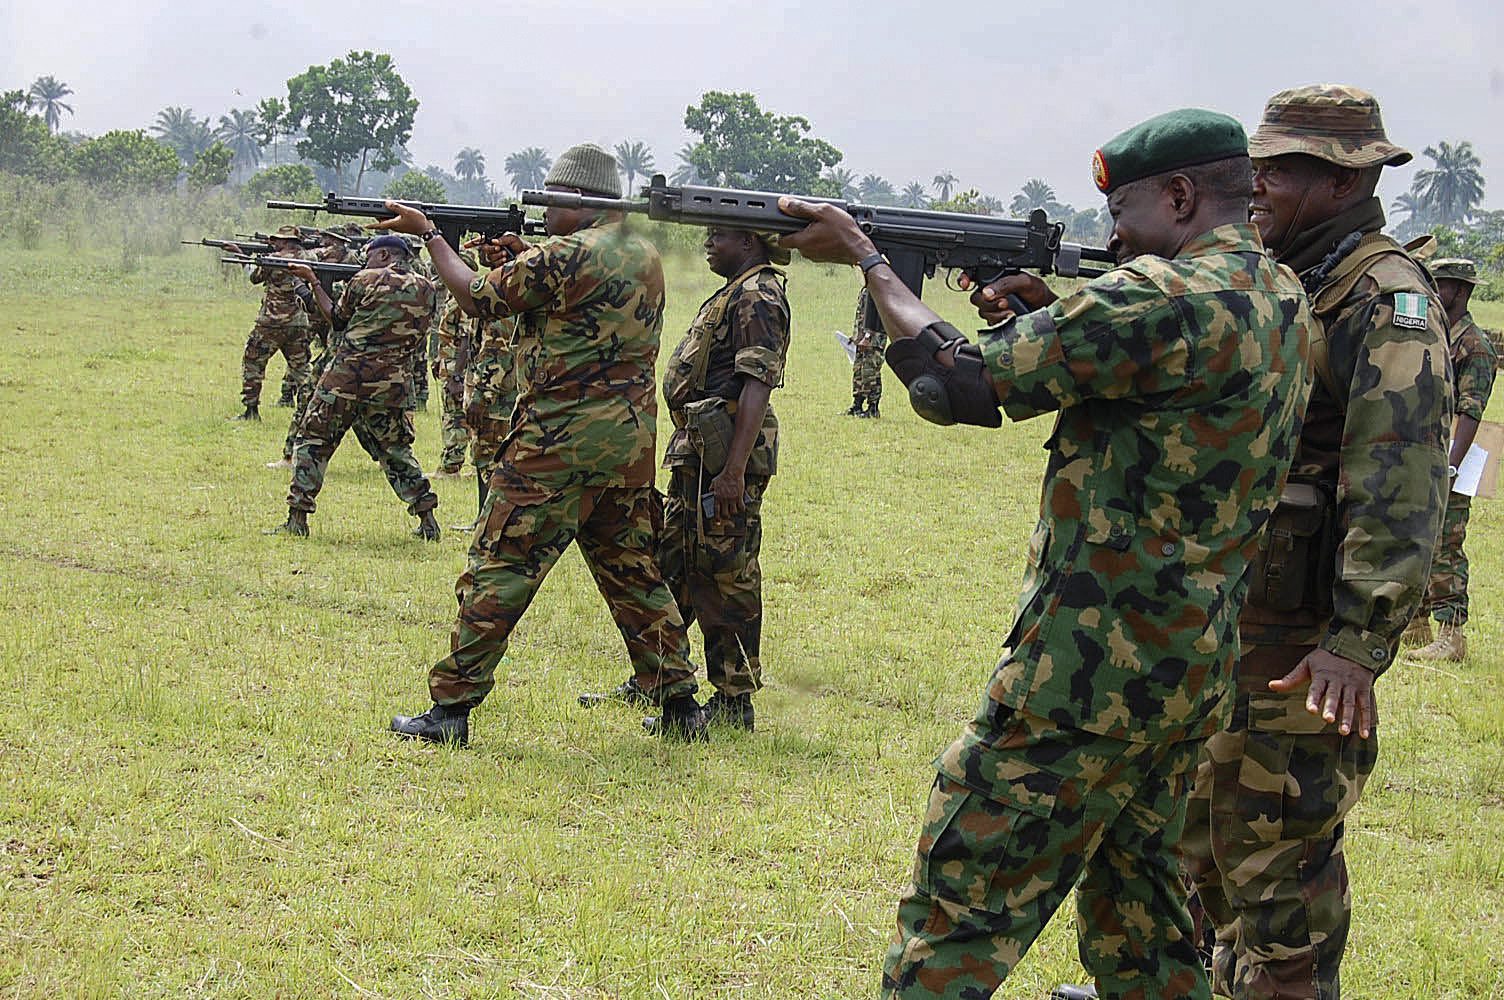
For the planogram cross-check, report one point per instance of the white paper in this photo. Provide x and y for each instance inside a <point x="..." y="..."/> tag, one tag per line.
<point x="1470" y="472"/>
<point x="847" y="343"/>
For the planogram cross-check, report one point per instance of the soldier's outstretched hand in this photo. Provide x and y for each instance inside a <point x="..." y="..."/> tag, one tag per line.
<point x="405" y="219"/>
<point x="302" y="271"/>
<point x="832" y="237"/>
<point x="1341" y="690"/>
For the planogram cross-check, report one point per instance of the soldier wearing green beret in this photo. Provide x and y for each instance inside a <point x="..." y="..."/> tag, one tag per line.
<point x="1176" y="383"/>
<point x="1474" y="364"/>
<point x="1344" y="565"/>
<point x="281" y="325"/>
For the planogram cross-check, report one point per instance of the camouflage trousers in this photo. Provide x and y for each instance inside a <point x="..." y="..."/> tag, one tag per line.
<point x="420" y="377"/>
<point x="1263" y="845"/>
<point x="1446" y="595"/>
<point x="385" y="431"/>
<point x="367" y="438"/>
<point x="867" y="374"/>
<point x="454" y="434"/>
<point x="523" y="531"/>
<point x="711" y="565"/>
<point x="1066" y="808"/>
<point x="265" y="340"/>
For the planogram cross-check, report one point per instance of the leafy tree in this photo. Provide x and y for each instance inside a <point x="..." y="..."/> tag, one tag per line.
<point x="842" y="181"/>
<point x="126" y="161"/>
<point x="633" y="158"/>
<point x="354" y="110"/>
<point x="742" y="145"/>
<point x="1452" y="189"/>
<point x="27" y="146"/>
<point x="875" y="190"/>
<point x="914" y="195"/>
<point x="416" y="186"/>
<point x="470" y="163"/>
<point x="211" y="168"/>
<point x="968" y="202"/>
<point x="1035" y="194"/>
<point x="240" y="130"/>
<point x="271" y="125"/>
<point x="944" y="180"/>
<point x="46" y="95"/>
<point x="288" y="181"/>
<point x="988" y="205"/>
<point x="686" y="172"/>
<point x="178" y="130"/>
<point x="527" y="168"/>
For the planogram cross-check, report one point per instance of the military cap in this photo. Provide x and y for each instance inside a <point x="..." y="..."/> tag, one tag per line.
<point x="1332" y="122"/>
<point x="1176" y="139"/>
<point x="587" y="167"/>
<point x="1456" y="268"/>
<point x="287" y="233"/>
<point x="389" y="242"/>
<point x="354" y="229"/>
<point x="334" y="234"/>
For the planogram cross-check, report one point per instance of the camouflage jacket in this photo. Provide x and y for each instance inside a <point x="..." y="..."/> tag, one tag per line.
<point x="1376" y="432"/>
<point x="385" y="313"/>
<point x="1179" y="385"/>
<point x="280" y="305"/>
<point x="740" y="332"/>
<point x="1474" y="364"/>
<point x="863" y="336"/>
<point x="490" y="379"/>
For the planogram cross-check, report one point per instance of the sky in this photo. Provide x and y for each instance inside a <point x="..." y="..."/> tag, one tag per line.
<point x="995" y="93"/>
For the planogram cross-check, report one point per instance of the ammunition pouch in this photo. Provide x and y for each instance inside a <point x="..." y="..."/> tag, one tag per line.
<point x="711" y="424"/>
<point x="1296" y="564"/>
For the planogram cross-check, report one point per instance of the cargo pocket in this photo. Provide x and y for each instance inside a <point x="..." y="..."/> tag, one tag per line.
<point x="979" y="851"/>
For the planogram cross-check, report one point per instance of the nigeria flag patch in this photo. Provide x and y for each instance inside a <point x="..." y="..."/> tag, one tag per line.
<point x="1410" y="310"/>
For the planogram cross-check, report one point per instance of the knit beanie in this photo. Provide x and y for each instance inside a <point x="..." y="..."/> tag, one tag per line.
<point x="587" y="167"/>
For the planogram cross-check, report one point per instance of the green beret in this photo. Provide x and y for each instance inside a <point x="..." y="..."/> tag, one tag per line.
<point x="1456" y="268"/>
<point x="1167" y="142"/>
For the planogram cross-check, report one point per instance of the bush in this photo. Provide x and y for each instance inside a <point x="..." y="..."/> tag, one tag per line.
<point x="211" y="168"/>
<point x="286" y="182"/>
<point x="415" y="186"/>
<point x="121" y="161"/>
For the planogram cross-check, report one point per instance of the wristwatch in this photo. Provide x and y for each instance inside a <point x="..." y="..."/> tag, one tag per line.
<point x="430" y="235"/>
<point x="870" y="261"/>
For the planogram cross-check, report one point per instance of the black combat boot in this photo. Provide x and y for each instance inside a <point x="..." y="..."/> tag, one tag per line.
<point x="872" y="409"/>
<point x="428" y="527"/>
<point x="252" y="412"/>
<point x="440" y="724"/>
<point x="1064" y="992"/>
<point x="730" y="710"/>
<point x="285" y="400"/>
<point x="296" y="524"/>
<point x="856" y="407"/>
<point x="680" y="718"/>
<point x="626" y="692"/>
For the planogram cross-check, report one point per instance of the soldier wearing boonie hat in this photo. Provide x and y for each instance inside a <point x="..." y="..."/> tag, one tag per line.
<point x="1272" y="880"/>
<point x="1475" y="362"/>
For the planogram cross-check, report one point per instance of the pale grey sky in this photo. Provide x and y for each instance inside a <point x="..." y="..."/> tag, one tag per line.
<point x="994" y="92"/>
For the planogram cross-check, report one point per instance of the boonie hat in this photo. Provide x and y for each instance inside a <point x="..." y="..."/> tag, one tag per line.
<point x="1330" y="121"/>
<point x="1456" y="268"/>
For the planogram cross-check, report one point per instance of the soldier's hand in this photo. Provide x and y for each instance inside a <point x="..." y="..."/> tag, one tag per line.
<point x="405" y="219"/>
<point x="730" y="489"/>
<point x="233" y="248"/>
<point x="498" y="251"/>
<point x="1341" y="690"/>
<point x="832" y="236"/>
<point x="992" y="300"/>
<point x="302" y="271"/>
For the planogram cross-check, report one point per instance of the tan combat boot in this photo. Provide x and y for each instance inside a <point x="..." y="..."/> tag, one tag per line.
<point x="1418" y="632"/>
<point x="1449" y="645"/>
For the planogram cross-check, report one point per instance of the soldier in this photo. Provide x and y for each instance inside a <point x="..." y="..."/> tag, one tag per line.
<point x="383" y="310"/>
<point x="1177" y="381"/>
<point x="867" y="367"/>
<point x="454" y="335"/>
<point x="490" y="397"/>
<point x="281" y="325"/>
<point x="578" y="463"/>
<point x="1474" y="363"/>
<point x="1326" y="606"/>
<point x="722" y="453"/>
<point x="424" y="353"/>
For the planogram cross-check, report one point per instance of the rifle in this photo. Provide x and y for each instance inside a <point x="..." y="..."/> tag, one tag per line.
<point x="452" y="221"/>
<point x="327" y="273"/>
<point x="246" y="246"/>
<point x="915" y="241"/>
<point x="305" y="241"/>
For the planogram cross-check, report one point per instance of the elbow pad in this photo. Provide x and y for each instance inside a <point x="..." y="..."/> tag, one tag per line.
<point x="941" y="395"/>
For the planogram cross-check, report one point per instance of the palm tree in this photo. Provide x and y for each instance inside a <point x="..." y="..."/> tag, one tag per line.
<point x="527" y="167"/>
<point x="239" y="130"/>
<point x="915" y="196"/>
<point x="177" y="129"/>
<point x="470" y="163"/>
<point x="1416" y="214"/>
<point x="945" y="180"/>
<point x="988" y="205"/>
<point x="633" y="159"/>
<point x="46" y="95"/>
<point x="686" y="172"/>
<point x="874" y="190"/>
<point x="843" y="181"/>
<point x="1453" y="189"/>
<point x="1035" y="194"/>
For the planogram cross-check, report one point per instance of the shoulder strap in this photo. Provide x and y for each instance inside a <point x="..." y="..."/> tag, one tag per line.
<point x="1333" y="291"/>
<point x="719" y="301"/>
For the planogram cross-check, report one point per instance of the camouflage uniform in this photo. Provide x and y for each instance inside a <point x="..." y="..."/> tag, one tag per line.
<point x="490" y="393"/>
<point x="1178" y="385"/>
<point x="321" y="351"/>
<point x="1264" y="835"/>
<point x="281" y="325"/>
<point x="578" y="464"/>
<point x="455" y="335"/>
<point x="711" y="564"/>
<point x="867" y="369"/>
<point x="383" y="312"/>
<point x="1474" y="364"/>
<point x="424" y="351"/>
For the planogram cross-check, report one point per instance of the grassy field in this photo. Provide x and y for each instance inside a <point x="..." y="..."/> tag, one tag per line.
<point x="198" y="796"/>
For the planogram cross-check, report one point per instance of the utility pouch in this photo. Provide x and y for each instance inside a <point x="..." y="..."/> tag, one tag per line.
<point x="1296" y="563"/>
<point x="711" y="424"/>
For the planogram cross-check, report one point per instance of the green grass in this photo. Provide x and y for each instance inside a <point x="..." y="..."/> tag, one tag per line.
<point x="198" y="797"/>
